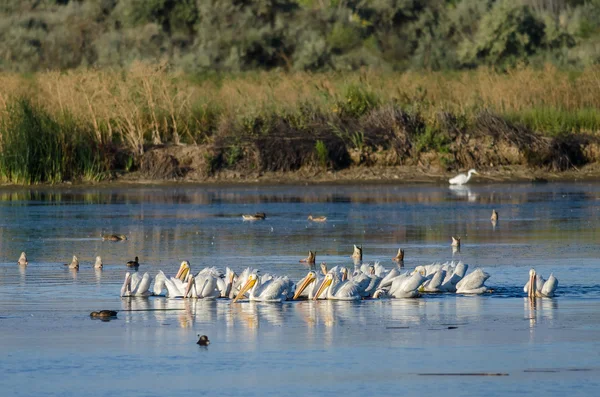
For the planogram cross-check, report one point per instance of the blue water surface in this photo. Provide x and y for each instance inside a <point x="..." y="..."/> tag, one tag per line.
<point x="431" y="345"/>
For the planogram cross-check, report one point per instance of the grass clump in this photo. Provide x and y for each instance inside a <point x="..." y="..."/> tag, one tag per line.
<point x="36" y="148"/>
<point x="322" y="153"/>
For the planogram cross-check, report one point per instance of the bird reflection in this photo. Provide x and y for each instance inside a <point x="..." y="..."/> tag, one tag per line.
<point x="463" y="192"/>
<point x="537" y="309"/>
<point x="185" y="318"/>
<point x="247" y="313"/>
<point x="98" y="275"/>
<point x="22" y="274"/>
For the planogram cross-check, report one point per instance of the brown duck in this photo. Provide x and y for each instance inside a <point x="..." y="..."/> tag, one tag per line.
<point x="399" y="256"/>
<point x="114" y="237"/>
<point x="311" y="258"/>
<point x="22" y="259"/>
<point x="104" y="314"/>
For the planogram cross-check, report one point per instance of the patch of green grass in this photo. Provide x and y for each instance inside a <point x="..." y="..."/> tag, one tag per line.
<point x="322" y="153"/>
<point x="37" y="148"/>
<point x="358" y="101"/>
<point x="434" y="139"/>
<point x="233" y="154"/>
<point x="553" y="122"/>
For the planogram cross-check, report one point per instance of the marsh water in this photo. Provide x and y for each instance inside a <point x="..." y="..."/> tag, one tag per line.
<point x="499" y="343"/>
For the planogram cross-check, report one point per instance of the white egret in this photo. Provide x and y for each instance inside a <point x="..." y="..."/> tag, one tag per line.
<point x="461" y="179"/>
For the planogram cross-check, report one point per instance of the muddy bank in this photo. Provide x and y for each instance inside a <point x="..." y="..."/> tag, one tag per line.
<point x="189" y="164"/>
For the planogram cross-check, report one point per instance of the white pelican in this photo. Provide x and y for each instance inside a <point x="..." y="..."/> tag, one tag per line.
<point x="136" y="286"/>
<point x="308" y="286"/>
<point x="203" y="286"/>
<point x="360" y="279"/>
<point x="428" y="270"/>
<point x="461" y="179"/>
<point x="224" y="285"/>
<point x="538" y="287"/>
<point x="473" y="283"/>
<point x="22" y="259"/>
<point x="240" y="281"/>
<point x="312" y="279"/>
<point x="387" y="280"/>
<point x="452" y="278"/>
<point x="98" y="264"/>
<point x="175" y="285"/>
<point x="434" y="282"/>
<point x="403" y="286"/>
<point x="338" y="290"/>
<point x="274" y="290"/>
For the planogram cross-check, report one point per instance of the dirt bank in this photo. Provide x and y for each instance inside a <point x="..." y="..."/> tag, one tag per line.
<point x="189" y="164"/>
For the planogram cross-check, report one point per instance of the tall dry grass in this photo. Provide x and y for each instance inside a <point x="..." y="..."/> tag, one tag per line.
<point x="151" y="104"/>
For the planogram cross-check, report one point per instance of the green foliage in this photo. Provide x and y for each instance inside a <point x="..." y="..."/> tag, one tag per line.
<point x="322" y="153"/>
<point x="434" y="139"/>
<point x="202" y="36"/>
<point x="357" y="101"/>
<point x="553" y="122"/>
<point x="233" y="154"/>
<point x="36" y="148"/>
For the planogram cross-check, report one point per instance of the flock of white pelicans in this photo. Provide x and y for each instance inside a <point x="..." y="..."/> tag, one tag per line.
<point x="367" y="281"/>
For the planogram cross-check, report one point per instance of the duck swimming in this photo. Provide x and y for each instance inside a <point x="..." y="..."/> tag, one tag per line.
<point x="310" y="259"/>
<point x="114" y="237"/>
<point x="399" y="256"/>
<point x="455" y="242"/>
<point x="98" y="264"/>
<point x="133" y="263"/>
<point x="357" y="253"/>
<point x="317" y="218"/>
<point x="22" y="259"/>
<point x="203" y="340"/>
<point x="104" y="314"/>
<point x="74" y="263"/>
<point x="494" y="217"/>
<point x="259" y="216"/>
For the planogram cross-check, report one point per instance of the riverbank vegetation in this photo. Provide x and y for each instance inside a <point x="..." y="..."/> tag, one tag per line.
<point x="88" y="123"/>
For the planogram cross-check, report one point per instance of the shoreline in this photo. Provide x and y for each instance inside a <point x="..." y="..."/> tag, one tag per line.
<point x="400" y="175"/>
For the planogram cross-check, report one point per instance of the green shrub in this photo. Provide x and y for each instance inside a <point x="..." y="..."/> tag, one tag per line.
<point x="322" y="153"/>
<point x="36" y="148"/>
<point x="358" y="101"/>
